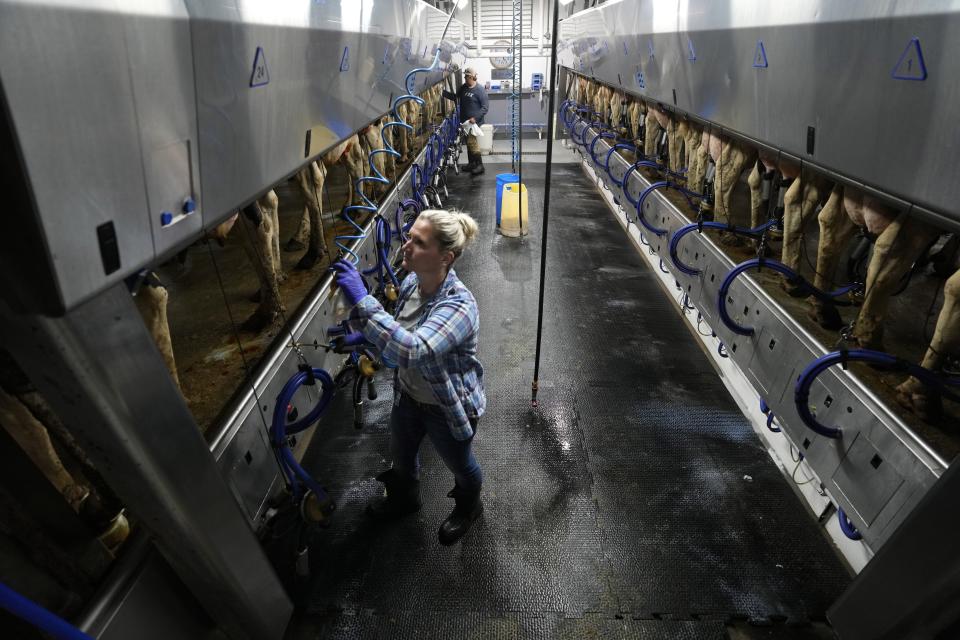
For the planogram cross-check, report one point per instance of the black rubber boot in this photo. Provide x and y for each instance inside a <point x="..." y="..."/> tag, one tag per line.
<point x="471" y="163"/>
<point x="469" y="507"/>
<point x="403" y="497"/>
<point x="478" y="167"/>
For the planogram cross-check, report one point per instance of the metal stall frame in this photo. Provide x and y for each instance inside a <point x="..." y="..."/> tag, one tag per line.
<point x="876" y="496"/>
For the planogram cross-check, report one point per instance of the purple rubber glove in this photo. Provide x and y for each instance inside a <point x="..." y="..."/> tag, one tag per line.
<point x="347" y="342"/>
<point x="349" y="281"/>
<point x="354" y="339"/>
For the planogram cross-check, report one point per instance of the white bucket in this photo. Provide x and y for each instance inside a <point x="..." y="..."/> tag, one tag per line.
<point x="514" y="205"/>
<point x="486" y="140"/>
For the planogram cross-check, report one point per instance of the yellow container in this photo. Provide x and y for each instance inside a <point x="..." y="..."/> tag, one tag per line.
<point x="514" y="202"/>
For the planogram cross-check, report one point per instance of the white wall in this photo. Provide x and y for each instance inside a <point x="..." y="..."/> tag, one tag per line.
<point x="532" y="63"/>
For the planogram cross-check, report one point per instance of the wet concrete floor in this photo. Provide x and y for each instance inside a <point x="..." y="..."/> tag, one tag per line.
<point x="619" y="507"/>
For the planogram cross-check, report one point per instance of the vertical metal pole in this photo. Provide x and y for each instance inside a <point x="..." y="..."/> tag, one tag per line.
<point x="513" y="75"/>
<point x="551" y="115"/>
<point x="520" y="113"/>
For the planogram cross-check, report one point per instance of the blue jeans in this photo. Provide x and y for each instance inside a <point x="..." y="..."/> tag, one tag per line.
<point x="410" y="421"/>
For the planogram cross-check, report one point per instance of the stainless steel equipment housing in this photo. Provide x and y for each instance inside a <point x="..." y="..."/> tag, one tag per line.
<point x="866" y="91"/>
<point x="879" y="469"/>
<point x="129" y="128"/>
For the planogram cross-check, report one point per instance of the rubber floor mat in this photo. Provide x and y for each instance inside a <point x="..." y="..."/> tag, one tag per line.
<point x="622" y="502"/>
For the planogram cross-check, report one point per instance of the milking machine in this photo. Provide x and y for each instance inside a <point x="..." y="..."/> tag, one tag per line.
<point x="756" y="233"/>
<point x="878" y="359"/>
<point x="362" y="365"/>
<point x="577" y="122"/>
<point x="793" y="278"/>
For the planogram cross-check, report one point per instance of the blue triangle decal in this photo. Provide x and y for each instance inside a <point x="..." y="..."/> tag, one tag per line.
<point x="345" y="60"/>
<point x="692" y="54"/>
<point x="260" y="75"/>
<point x="910" y="66"/>
<point x="760" y="56"/>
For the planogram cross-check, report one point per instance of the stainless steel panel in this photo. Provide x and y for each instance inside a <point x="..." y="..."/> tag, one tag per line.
<point x="836" y="396"/>
<point x="161" y="71"/>
<point x="143" y="598"/>
<point x="331" y="68"/>
<point x="135" y="114"/>
<point x="253" y="463"/>
<point x="909" y="589"/>
<point x="67" y="79"/>
<point x="831" y="66"/>
<point x="866" y="480"/>
<point x="99" y="369"/>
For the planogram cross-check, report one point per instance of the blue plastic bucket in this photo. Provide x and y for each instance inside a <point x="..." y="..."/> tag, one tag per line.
<point x="502" y="179"/>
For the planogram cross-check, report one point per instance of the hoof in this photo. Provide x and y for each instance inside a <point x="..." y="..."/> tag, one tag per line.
<point x="308" y="261"/>
<point x="766" y="253"/>
<point x="825" y="315"/>
<point x="912" y="396"/>
<point x="869" y="342"/>
<point x="259" y="321"/>
<point x="294" y="245"/>
<point x="93" y="512"/>
<point x="731" y="240"/>
<point x="793" y="290"/>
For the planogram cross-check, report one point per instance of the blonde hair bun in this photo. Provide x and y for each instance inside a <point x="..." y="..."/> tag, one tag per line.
<point x="453" y="230"/>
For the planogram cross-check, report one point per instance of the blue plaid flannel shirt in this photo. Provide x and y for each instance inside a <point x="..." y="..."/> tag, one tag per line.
<point x="443" y="347"/>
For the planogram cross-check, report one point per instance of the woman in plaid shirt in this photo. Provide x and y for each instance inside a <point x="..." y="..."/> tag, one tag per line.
<point x="438" y="389"/>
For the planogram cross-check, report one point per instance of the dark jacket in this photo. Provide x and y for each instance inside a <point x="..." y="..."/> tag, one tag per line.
<point x="473" y="102"/>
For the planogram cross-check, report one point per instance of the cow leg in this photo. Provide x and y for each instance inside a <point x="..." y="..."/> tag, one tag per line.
<point x="616" y="112"/>
<point x="896" y="249"/>
<point x="270" y="206"/>
<point x="311" y="179"/>
<point x="759" y="201"/>
<point x="355" y="161"/>
<point x="651" y="133"/>
<point x="101" y="507"/>
<point x="691" y="141"/>
<point x="257" y="244"/>
<point x="698" y="168"/>
<point x="799" y="203"/>
<point x="733" y="160"/>
<point x="151" y="301"/>
<point x="35" y="442"/>
<point x="389" y="160"/>
<point x="912" y="393"/>
<point x="374" y="143"/>
<point x="836" y="229"/>
<point x="674" y="146"/>
<point x="298" y="241"/>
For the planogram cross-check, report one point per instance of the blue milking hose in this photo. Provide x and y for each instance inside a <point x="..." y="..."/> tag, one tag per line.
<point x="847" y="527"/>
<point x="682" y="231"/>
<point x="31" y="612"/>
<point x="279" y="428"/>
<point x="614" y="149"/>
<point x="767" y="411"/>
<point x="773" y="265"/>
<point x="805" y="381"/>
